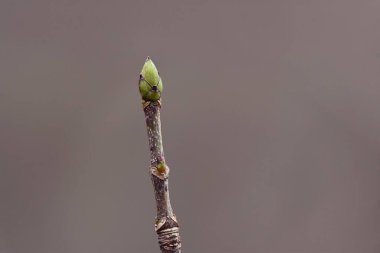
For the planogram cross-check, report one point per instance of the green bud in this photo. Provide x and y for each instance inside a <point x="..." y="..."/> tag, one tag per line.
<point x="150" y="83"/>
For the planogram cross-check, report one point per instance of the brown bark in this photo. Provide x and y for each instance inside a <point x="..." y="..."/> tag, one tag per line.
<point x="166" y="224"/>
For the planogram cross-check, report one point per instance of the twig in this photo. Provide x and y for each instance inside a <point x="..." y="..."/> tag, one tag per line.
<point x="166" y="225"/>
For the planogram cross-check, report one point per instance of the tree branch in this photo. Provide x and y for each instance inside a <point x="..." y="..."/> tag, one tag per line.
<point x="166" y="224"/>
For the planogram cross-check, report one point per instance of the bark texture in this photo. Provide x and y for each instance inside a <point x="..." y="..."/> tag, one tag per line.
<point x="166" y="224"/>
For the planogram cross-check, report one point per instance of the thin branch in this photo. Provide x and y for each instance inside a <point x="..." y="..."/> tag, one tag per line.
<point x="166" y="225"/>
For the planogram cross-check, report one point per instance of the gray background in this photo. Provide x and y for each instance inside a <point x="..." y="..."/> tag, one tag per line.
<point x="271" y="119"/>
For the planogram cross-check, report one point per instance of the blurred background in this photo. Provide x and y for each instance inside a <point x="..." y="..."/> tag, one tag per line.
<point x="271" y="125"/>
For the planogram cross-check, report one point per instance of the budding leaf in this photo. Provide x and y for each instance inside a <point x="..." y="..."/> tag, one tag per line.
<point x="150" y="83"/>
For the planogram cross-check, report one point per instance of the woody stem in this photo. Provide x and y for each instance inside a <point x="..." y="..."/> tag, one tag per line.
<point x="166" y="225"/>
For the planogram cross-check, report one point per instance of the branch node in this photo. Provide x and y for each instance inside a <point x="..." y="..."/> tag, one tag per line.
<point x="161" y="171"/>
<point x="168" y="233"/>
<point x="147" y="103"/>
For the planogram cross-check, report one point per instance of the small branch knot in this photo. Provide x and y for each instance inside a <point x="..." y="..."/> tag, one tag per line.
<point x="161" y="171"/>
<point x="147" y="103"/>
<point x="167" y="230"/>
